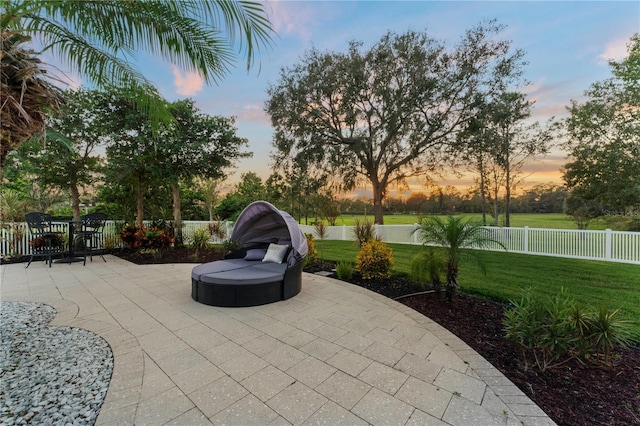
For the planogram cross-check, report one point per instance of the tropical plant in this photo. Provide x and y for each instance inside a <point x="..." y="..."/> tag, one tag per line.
<point x="374" y="260"/>
<point x="200" y="238"/>
<point x="100" y="40"/>
<point x="608" y="330"/>
<point x="216" y="228"/>
<point x="454" y="234"/>
<point x="428" y="267"/>
<point x="553" y="330"/>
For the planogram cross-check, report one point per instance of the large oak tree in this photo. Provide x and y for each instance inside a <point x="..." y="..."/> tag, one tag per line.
<point x="387" y="113"/>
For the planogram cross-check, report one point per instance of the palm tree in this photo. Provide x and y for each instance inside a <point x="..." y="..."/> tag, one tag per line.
<point x="100" y="39"/>
<point x="453" y="235"/>
<point x="24" y="94"/>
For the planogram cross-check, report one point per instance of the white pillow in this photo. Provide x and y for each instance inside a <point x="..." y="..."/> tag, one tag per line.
<point x="275" y="253"/>
<point x="255" y="254"/>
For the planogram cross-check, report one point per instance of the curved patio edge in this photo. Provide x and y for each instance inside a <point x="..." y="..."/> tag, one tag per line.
<point x="335" y="352"/>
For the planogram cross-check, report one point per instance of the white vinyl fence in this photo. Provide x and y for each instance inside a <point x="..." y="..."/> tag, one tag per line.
<point x="608" y="245"/>
<point x="15" y="237"/>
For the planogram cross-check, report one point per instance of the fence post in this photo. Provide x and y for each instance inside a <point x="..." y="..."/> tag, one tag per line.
<point x="526" y="239"/>
<point x="344" y="232"/>
<point x="607" y="249"/>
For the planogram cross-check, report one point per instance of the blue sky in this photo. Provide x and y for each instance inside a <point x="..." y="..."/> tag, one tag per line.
<point x="567" y="45"/>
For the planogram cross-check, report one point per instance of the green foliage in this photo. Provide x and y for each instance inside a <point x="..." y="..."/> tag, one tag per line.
<point x="200" y="238"/>
<point x="344" y="270"/>
<point x="608" y="330"/>
<point x="312" y="254"/>
<point x="589" y="282"/>
<point x="429" y="267"/>
<point x="355" y="107"/>
<point x="553" y="330"/>
<point x="230" y="246"/>
<point x="199" y="36"/>
<point x="603" y="139"/>
<point x="110" y="241"/>
<point x="453" y="235"/>
<point x="374" y="260"/>
<point x="363" y="231"/>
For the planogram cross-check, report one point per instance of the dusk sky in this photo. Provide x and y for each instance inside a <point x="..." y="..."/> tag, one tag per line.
<point x="567" y="45"/>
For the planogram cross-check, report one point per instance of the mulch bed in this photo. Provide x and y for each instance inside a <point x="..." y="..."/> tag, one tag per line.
<point x="574" y="394"/>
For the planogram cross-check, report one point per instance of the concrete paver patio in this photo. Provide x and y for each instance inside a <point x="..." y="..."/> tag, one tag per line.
<point x="334" y="354"/>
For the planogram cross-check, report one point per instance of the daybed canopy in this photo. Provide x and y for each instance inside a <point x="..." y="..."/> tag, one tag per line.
<point x="261" y="222"/>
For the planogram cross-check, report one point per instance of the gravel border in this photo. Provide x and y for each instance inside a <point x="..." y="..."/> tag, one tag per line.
<point x="49" y="374"/>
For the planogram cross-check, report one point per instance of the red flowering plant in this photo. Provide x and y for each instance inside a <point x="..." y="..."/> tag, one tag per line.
<point x="139" y="238"/>
<point x="40" y="242"/>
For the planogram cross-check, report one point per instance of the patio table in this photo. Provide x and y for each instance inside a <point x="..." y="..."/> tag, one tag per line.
<point x="71" y="258"/>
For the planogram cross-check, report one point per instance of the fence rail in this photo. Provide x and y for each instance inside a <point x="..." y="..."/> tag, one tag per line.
<point x="608" y="245"/>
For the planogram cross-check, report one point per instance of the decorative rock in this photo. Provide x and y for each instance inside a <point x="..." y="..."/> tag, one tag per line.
<point x="50" y="375"/>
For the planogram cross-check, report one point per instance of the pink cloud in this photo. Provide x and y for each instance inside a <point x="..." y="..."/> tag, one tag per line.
<point x="187" y="84"/>
<point x="615" y="50"/>
<point x="253" y="113"/>
<point x="290" y="17"/>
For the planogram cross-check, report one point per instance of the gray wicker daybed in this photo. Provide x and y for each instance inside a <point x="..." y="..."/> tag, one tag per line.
<point x="267" y="267"/>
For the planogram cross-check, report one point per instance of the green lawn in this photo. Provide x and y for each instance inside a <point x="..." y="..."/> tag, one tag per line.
<point x="532" y="220"/>
<point x="616" y="285"/>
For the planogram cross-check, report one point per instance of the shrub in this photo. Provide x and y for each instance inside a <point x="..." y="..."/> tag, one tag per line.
<point x="344" y="270"/>
<point x="429" y="266"/>
<point x="607" y="331"/>
<point x="375" y="260"/>
<point x="110" y="242"/>
<point x="216" y="228"/>
<point x="312" y="254"/>
<point x="363" y="231"/>
<point x="200" y="238"/>
<point x="135" y="238"/>
<point x="321" y="229"/>
<point x="56" y="240"/>
<point x="555" y="330"/>
<point x="541" y="329"/>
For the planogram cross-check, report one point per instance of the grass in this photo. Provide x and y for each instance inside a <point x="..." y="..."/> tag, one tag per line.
<point x="532" y="220"/>
<point x="616" y="285"/>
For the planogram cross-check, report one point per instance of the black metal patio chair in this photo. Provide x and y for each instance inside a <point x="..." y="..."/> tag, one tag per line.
<point x="90" y="235"/>
<point x="44" y="242"/>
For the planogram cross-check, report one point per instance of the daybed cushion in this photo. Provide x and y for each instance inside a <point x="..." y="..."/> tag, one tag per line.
<point x="275" y="253"/>
<point x="253" y="273"/>
<point x="255" y="254"/>
<point x="219" y="266"/>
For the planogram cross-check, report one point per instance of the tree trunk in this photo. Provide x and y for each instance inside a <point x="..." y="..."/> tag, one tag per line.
<point x="452" y="282"/>
<point x="378" y="192"/>
<point x="139" y="202"/>
<point x="177" y="215"/>
<point x="483" y="195"/>
<point x="507" y="199"/>
<point x="75" y="201"/>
